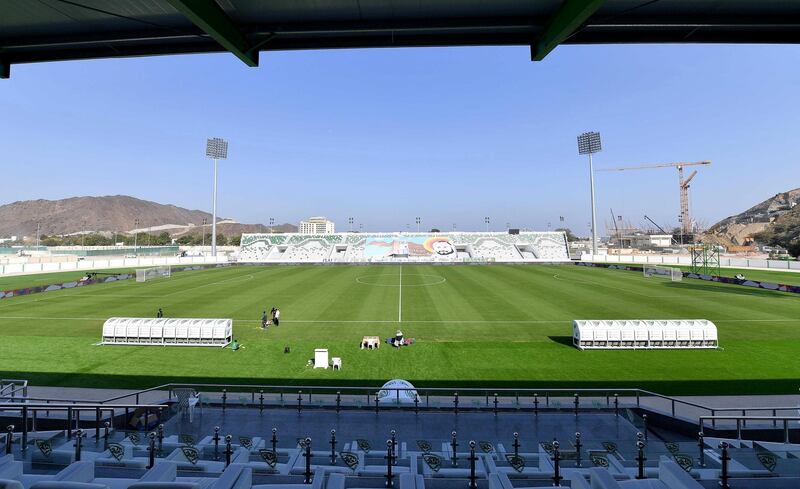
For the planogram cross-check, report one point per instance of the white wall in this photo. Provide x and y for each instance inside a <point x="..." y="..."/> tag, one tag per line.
<point x="31" y="268"/>
<point x="687" y="260"/>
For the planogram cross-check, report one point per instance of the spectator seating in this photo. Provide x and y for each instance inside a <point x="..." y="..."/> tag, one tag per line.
<point x="350" y="247"/>
<point x="180" y="463"/>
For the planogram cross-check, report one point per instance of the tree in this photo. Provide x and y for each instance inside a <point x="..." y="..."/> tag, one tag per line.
<point x="235" y="240"/>
<point x="568" y="232"/>
<point x="434" y="230"/>
<point x="162" y="239"/>
<point x="794" y="248"/>
<point x="221" y="240"/>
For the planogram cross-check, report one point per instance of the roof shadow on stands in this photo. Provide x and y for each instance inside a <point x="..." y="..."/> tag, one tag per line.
<point x="704" y="387"/>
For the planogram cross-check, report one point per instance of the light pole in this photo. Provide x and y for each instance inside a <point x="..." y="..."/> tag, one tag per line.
<point x="135" y="237"/>
<point x="203" y="232"/>
<point x="216" y="149"/>
<point x="486" y="221"/>
<point x="350" y="222"/>
<point x="454" y="227"/>
<point x="419" y="220"/>
<point x="589" y="144"/>
<point x="37" y="236"/>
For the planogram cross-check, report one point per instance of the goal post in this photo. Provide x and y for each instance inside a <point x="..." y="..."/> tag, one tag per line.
<point x="145" y="274"/>
<point x="674" y="274"/>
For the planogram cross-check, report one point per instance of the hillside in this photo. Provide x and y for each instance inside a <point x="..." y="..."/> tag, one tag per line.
<point x="108" y="214"/>
<point x="762" y="218"/>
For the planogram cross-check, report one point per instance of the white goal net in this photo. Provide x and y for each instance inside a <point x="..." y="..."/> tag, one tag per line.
<point x="673" y="274"/>
<point x="145" y="274"/>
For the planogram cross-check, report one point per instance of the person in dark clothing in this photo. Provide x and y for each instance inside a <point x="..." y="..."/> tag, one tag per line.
<point x="276" y="318"/>
<point x="160" y="313"/>
<point x="264" y="320"/>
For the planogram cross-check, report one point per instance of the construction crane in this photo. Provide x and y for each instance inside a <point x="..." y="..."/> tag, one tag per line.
<point x="683" y="187"/>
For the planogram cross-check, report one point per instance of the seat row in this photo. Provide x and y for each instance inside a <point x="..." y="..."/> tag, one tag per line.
<point x="180" y="462"/>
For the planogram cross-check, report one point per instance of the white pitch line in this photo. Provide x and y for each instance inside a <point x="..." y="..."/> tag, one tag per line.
<point x="381" y="321"/>
<point x="400" y="297"/>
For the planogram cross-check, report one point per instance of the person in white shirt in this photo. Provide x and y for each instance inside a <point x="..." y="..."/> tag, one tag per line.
<point x="277" y="317"/>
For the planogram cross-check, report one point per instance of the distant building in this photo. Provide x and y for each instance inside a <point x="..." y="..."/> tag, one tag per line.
<point x="316" y="225"/>
<point x="645" y="241"/>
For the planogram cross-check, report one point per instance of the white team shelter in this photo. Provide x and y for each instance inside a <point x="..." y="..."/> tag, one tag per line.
<point x="168" y="331"/>
<point x="646" y="333"/>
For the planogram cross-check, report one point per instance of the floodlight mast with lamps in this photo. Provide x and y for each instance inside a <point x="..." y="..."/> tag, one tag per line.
<point x="216" y="149"/>
<point x="588" y="144"/>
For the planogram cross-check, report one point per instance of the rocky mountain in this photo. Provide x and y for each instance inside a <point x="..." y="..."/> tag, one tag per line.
<point x="108" y="214"/>
<point x="777" y="211"/>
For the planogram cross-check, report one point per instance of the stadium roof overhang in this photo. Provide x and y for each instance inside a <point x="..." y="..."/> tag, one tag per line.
<point x="52" y="30"/>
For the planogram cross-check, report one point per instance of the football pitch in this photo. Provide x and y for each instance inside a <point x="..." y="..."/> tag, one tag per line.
<point x="498" y="325"/>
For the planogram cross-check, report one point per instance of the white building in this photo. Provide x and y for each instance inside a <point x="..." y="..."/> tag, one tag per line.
<point x="644" y="241"/>
<point x="316" y="225"/>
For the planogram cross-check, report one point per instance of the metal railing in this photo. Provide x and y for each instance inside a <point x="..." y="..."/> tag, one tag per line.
<point x="432" y="398"/>
<point x="456" y="398"/>
<point x="29" y="413"/>
<point x="741" y="420"/>
<point x="13" y="388"/>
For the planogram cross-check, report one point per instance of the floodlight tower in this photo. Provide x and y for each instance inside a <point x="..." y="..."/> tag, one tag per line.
<point x="486" y="221"/>
<point x="216" y="149"/>
<point x="136" y="237"/>
<point x="419" y="220"/>
<point x="589" y="144"/>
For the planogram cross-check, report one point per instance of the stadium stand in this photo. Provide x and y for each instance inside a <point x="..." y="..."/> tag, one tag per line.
<point x="244" y="437"/>
<point x="404" y="247"/>
<point x="182" y="455"/>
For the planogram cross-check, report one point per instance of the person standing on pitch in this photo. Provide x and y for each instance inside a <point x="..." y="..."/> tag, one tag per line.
<point x="160" y="313"/>
<point x="264" y="320"/>
<point x="277" y="316"/>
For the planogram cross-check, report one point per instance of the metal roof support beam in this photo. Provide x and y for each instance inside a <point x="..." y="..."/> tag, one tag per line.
<point x="209" y="16"/>
<point x="563" y="24"/>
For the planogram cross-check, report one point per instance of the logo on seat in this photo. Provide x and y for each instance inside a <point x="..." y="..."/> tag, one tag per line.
<point x="45" y="447"/>
<point x="116" y="450"/>
<point x="270" y="457"/>
<point x="516" y="462"/>
<point x="191" y="454"/>
<point x="350" y="459"/>
<point x="425" y="446"/>
<point x="433" y="461"/>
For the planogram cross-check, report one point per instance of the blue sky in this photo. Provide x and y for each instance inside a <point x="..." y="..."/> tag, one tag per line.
<point x="385" y="135"/>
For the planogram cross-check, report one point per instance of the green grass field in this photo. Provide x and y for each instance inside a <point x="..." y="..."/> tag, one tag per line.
<point x="474" y="326"/>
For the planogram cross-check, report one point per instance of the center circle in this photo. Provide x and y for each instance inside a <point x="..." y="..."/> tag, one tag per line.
<point x="409" y="280"/>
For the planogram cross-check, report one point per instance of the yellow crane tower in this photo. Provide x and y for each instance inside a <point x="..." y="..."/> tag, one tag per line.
<point x="683" y="187"/>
